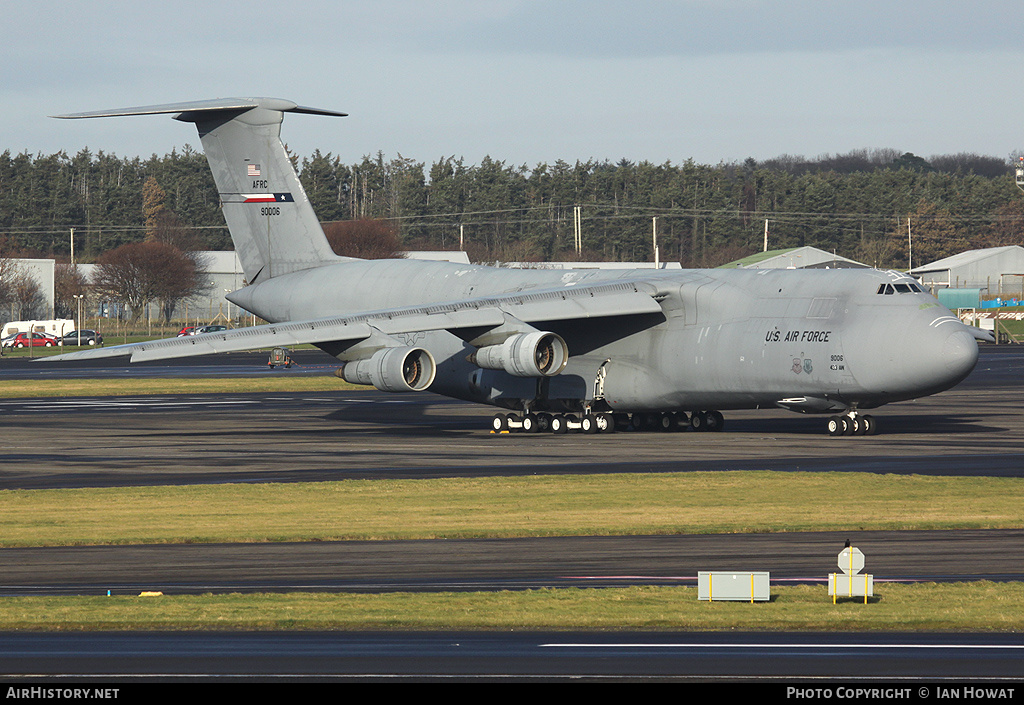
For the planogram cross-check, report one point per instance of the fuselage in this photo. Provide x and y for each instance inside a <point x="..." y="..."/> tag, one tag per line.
<point x="806" y="340"/>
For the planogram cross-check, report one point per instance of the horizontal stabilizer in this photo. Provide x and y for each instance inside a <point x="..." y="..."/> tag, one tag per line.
<point x="200" y="107"/>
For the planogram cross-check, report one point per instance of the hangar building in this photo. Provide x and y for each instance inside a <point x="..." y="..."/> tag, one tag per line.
<point x="795" y="258"/>
<point x="996" y="271"/>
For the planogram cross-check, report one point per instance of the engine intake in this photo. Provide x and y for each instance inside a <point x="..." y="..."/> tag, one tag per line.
<point x="393" y="370"/>
<point x="537" y="354"/>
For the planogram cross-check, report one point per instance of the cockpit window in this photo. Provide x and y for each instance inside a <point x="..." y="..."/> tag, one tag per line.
<point x="904" y="288"/>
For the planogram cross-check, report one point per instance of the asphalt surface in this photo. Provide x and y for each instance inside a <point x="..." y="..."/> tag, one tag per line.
<point x="975" y="429"/>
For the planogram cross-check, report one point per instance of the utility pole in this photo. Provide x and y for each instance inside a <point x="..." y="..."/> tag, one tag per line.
<point x="910" y="247"/>
<point x="765" y="234"/>
<point x="578" y="229"/>
<point x="654" y="236"/>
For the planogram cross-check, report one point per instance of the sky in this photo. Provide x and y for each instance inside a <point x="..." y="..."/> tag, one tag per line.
<point x="528" y="82"/>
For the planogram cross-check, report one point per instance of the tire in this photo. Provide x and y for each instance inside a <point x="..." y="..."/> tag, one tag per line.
<point x="835" y="426"/>
<point x="530" y="424"/>
<point x="588" y="424"/>
<point x="558" y="424"/>
<point x="499" y="423"/>
<point x="715" y="421"/>
<point x="699" y="421"/>
<point x="543" y="422"/>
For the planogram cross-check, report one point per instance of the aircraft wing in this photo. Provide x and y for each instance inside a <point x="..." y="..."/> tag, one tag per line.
<point x="564" y="303"/>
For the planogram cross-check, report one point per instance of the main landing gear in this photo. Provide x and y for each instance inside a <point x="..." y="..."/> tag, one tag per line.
<point x="852" y="424"/>
<point x="606" y="422"/>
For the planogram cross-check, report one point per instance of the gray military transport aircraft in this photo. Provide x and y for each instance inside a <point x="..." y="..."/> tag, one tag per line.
<point x="589" y="350"/>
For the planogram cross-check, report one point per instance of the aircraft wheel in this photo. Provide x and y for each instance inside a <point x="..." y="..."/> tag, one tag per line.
<point x="606" y="423"/>
<point x="544" y="422"/>
<point x="699" y="421"/>
<point x="870" y="425"/>
<point x="715" y="421"/>
<point x="558" y="424"/>
<point x="835" y="426"/>
<point x="667" y="422"/>
<point x="859" y="427"/>
<point x="636" y="422"/>
<point x="588" y="424"/>
<point x="530" y="424"/>
<point x="499" y="423"/>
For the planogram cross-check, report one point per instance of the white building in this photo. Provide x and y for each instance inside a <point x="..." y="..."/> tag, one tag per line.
<point x="997" y="271"/>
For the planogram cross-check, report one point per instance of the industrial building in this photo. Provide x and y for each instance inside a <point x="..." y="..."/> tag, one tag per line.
<point x="806" y="257"/>
<point x="995" y="271"/>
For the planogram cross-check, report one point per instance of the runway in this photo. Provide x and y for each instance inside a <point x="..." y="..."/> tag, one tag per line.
<point x="974" y="429"/>
<point x="850" y="663"/>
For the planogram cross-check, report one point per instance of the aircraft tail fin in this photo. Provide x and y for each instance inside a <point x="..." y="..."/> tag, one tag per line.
<point x="271" y="221"/>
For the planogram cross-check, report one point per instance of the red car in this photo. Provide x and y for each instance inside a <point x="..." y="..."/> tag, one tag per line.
<point x="22" y="340"/>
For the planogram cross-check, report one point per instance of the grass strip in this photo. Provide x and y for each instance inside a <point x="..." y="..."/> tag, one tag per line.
<point x="259" y="383"/>
<point x="501" y="507"/>
<point x="978" y="607"/>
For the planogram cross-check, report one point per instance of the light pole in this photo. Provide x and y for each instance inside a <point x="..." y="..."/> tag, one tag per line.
<point x="78" y="325"/>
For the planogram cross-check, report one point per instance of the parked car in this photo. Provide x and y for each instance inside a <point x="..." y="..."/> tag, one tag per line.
<point x="22" y="340"/>
<point x="208" y="329"/>
<point x="89" y="337"/>
<point x="187" y="330"/>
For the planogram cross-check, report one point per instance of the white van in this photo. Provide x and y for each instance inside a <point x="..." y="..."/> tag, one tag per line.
<point x="57" y="327"/>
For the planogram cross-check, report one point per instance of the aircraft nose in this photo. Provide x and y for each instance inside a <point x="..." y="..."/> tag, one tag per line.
<point x="938" y="359"/>
<point x="959" y="354"/>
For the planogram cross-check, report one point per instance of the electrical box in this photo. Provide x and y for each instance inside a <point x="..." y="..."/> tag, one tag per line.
<point x="734" y="586"/>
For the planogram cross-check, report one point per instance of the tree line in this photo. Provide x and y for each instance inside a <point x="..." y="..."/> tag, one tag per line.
<point x="859" y="204"/>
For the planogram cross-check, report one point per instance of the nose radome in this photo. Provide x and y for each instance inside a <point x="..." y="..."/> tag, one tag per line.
<point x="960" y="354"/>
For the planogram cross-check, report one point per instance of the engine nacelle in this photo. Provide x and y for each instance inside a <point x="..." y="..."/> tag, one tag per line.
<point x="393" y="370"/>
<point x="537" y="354"/>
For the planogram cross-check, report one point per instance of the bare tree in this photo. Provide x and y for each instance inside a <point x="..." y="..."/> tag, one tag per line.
<point x="27" y="296"/>
<point x="365" y="239"/>
<point x="68" y="282"/>
<point x="141" y="273"/>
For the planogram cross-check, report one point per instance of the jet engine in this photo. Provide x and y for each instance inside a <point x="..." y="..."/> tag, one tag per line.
<point x="537" y="354"/>
<point x="393" y="370"/>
